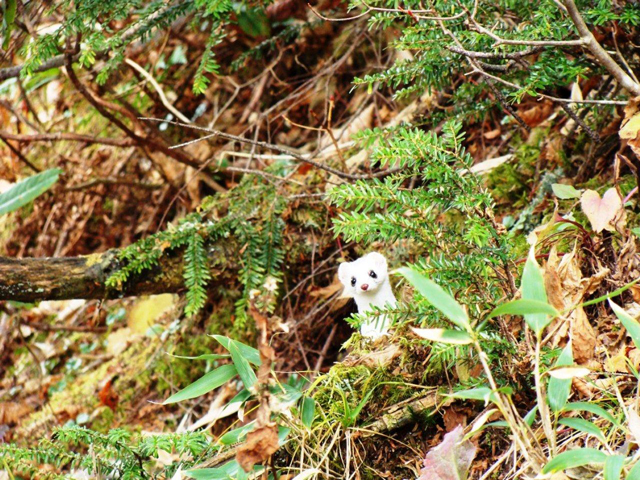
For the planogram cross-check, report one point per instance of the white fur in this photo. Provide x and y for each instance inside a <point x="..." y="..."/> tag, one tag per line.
<point x="378" y="293"/>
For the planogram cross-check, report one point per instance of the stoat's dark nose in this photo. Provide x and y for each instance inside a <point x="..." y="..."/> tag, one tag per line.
<point x="364" y="287"/>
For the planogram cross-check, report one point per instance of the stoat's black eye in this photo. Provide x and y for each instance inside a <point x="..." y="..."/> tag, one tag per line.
<point x="372" y="274"/>
<point x="353" y="281"/>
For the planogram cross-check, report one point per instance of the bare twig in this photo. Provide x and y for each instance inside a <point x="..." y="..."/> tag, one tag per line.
<point x="158" y="89"/>
<point x="347" y="19"/>
<point x="277" y="148"/>
<point x="71" y="137"/>
<point x="113" y="181"/>
<point x="63" y="328"/>
<point x="594" y="135"/>
<point x="19" y="154"/>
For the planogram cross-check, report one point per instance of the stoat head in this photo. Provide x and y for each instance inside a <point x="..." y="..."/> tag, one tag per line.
<point x="363" y="276"/>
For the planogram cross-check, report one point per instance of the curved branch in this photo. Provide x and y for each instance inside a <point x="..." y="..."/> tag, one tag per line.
<point x="600" y="53"/>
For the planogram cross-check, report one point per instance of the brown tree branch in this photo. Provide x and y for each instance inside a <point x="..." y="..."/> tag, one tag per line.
<point x="60" y="60"/>
<point x="102" y="107"/>
<point x="35" y="279"/>
<point x="600" y="53"/>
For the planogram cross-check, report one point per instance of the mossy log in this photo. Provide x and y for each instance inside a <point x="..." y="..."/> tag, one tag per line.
<point x="83" y="277"/>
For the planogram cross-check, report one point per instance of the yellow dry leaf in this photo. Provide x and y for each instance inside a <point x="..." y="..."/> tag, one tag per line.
<point x="617" y="363"/>
<point x="631" y="125"/>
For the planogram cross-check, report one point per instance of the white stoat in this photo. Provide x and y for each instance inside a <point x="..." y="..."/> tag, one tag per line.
<point x="367" y="281"/>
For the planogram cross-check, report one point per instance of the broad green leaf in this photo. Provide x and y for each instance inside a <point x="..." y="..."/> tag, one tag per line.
<point x="630" y="323"/>
<point x="583" y="426"/>
<point x="455" y="337"/>
<point x="524" y="307"/>
<point x="228" y="471"/>
<point x="634" y="473"/>
<point x="247" y="375"/>
<point x="559" y="389"/>
<point x="613" y="467"/>
<point x="205" y="356"/>
<point x="565" y="192"/>
<point x="574" y="458"/>
<point x="28" y="189"/>
<point x="530" y="417"/>
<point x="237" y="434"/>
<point x="437" y="297"/>
<point x="591" y="408"/>
<point x="481" y="393"/>
<point x="250" y="353"/>
<point x="499" y="424"/>
<point x="283" y="433"/>
<point x="307" y="411"/>
<point x="533" y="289"/>
<point x="209" y="381"/>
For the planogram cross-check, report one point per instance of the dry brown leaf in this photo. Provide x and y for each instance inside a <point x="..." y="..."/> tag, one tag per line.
<point x="634" y="358"/>
<point x="601" y="212"/>
<point x="452" y="418"/>
<point x="553" y="282"/>
<point x="375" y="359"/>
<point x="12" y="412"/>
<point x="591" y="284"/>
<point x="536" y="114"/>
<point x="583" y="337"/>
<point x="261" y="443"/>
<point x="635" y="292"/>
<point x="328" y="291"/>
<point x="492" y="134"/>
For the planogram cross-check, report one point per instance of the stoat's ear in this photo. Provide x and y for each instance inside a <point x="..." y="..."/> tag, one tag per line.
<point x="343" y="273"/>
<point x="377" y="260"/>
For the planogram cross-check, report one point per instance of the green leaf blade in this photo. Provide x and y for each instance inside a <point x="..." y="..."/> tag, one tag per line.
<point x="533" y="289"/>
<point x="27" y="190"/>
<point x="524" y="307"/>
<point x="247" y="375"/>
<point x="439" y="298"/>
<point x="250" y="353"/>
<point x="209" y="381"/>
<point x="613" y="467"/>
<point x="308" y="410"/>
<point x="630" y="323"/>
<point x="559" y="389"/>
<point x="574" y="458"/>
<point x="583" y="426"/>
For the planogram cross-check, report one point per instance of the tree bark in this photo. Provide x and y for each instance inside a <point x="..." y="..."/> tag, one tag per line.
<point x="34" y="279"/>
